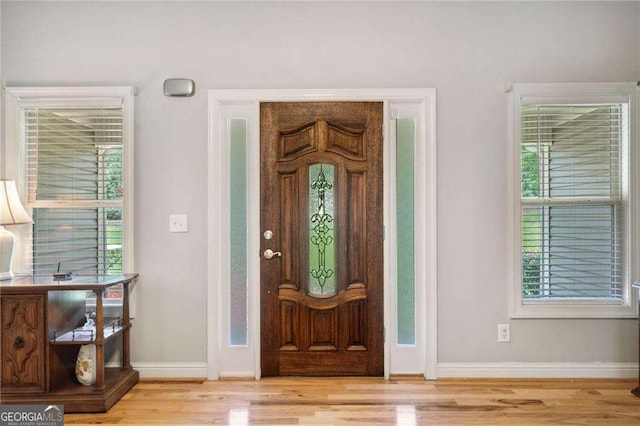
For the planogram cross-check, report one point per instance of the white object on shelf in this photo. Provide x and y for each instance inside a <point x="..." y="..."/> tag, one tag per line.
<point x="86" y="365"/>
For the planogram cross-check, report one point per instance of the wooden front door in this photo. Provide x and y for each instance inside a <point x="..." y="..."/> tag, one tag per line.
<point x="321" y="218"/>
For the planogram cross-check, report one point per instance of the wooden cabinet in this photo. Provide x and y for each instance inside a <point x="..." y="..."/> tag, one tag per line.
<point x="23" y="343"/>
<point x="42" y="332"/>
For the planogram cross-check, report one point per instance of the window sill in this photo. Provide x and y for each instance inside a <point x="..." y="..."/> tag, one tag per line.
<point x="573" y="309"/>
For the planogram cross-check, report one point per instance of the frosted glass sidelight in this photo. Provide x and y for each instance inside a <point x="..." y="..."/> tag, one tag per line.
<point x="238" y="231"/>
<point x="322" y="265"/>
<point x="405" y="136"/>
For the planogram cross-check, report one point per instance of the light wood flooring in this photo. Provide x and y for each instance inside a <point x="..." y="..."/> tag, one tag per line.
<point x="372" y="401"/>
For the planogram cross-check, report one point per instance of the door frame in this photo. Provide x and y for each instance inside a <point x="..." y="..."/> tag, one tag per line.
<point x="224" y="360"/>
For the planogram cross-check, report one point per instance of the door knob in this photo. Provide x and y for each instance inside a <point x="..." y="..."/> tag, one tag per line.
<point x="270" y="254"/>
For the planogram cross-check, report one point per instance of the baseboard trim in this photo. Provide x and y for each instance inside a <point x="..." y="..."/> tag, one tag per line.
<point x="538" y="370"/>
<point x="515" y="370"/>
<point x="155" y="370"/>
<point x="237" y="375"/>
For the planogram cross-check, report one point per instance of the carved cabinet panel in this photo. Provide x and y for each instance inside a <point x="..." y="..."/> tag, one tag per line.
<point x="23" y="342"/>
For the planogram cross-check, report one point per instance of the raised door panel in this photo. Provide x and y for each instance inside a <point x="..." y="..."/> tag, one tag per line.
<point x="289" y="334"/>
<point x="23" y="342"/>
<point x="289" y="235"/>
<point x="349" y="143"/>
<point x="323" y="328"/>
<point x="356" y="227"/>
<point x="297" y="142"/>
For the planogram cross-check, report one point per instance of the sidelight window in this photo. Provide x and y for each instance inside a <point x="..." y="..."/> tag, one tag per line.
<point x="405" y="199"/>
<point x="237" y="145"/>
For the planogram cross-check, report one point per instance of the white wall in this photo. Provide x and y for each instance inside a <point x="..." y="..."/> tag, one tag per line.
<point x="467" y="51"/>
<point x="1" y="106"/>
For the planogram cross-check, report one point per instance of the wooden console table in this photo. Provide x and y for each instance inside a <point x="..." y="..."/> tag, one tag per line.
<point x="42" y="332"/>
<point x="636" y="391"/>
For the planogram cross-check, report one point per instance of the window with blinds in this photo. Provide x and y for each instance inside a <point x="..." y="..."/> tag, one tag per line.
<point x="572" y="217"/>
<point x="74" y="171"/>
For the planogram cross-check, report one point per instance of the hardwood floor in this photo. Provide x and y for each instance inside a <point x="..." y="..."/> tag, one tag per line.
<point x="372" y="401"/>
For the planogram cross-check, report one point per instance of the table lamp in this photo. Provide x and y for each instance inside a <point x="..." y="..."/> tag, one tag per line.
<point x="11" y="213"/>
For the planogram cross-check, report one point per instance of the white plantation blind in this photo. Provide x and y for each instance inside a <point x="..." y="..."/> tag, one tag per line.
<point x="74" y="167"/>
<point x="70" y="236"/>
<point x="571" y="200"/>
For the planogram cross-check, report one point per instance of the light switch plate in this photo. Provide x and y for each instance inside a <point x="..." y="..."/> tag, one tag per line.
<point x="178" y="223"/>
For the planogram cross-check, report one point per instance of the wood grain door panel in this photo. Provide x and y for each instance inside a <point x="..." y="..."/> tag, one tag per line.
<point x="305" y="332"/>
<point x="23" y="343"/>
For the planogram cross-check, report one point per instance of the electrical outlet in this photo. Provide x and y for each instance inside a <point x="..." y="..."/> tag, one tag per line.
<point x="504" y="333"/>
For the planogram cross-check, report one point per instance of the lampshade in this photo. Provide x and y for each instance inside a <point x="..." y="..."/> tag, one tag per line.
<point x="11" y="210"/>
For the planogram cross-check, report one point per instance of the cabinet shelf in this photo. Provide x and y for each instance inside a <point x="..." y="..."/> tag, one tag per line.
<point x="86" y="335"/>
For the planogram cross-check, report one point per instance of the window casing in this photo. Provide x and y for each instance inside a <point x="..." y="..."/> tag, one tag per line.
<point x="74" y="148"/>
<point x="574" y="242"/>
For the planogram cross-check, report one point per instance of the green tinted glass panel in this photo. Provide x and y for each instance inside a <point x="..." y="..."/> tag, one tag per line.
<point x="322" y="266"/>
<point x="404" y="203"/>
<point x="238" y="231"/>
